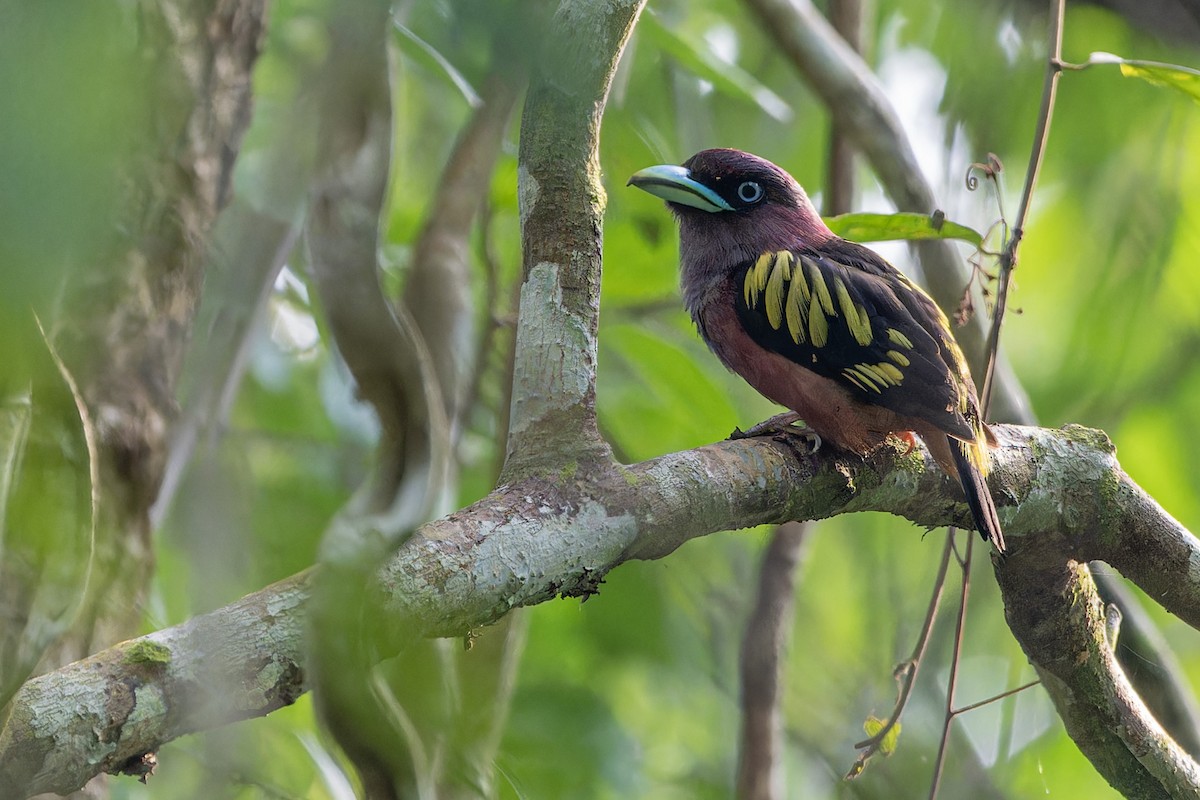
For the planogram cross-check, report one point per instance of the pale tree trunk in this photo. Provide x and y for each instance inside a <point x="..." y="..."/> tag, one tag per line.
<point x="99" y="394"/>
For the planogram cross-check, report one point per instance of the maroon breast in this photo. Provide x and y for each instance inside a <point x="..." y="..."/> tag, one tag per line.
<point x="826" y="407"/>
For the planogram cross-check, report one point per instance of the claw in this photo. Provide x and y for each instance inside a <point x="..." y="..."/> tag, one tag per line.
<point x="807" y="434"/>
<point x="782" y="425"/>
<point x="775" y="424"/>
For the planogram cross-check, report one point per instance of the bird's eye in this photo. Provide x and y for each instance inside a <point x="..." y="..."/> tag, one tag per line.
<point x="750" y="192"/>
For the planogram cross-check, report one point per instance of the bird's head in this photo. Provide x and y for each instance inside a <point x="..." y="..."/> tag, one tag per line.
<point x="732" y="206"/>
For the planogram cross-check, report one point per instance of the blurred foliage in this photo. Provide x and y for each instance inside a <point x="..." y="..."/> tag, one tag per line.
<point x="66" y="124"/>
<point x="634" y="694"/>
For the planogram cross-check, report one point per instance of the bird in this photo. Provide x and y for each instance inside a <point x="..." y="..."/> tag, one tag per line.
<point x="820" y="325"/>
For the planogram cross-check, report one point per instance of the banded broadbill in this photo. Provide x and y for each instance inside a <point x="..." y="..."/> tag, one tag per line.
<point x="820" y="325"/>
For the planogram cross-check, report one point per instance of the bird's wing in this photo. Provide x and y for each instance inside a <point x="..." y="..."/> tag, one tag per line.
<point x="846" y="314"/>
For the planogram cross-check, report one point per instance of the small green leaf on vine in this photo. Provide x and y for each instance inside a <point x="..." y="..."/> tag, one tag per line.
<point x="873" y="725"/>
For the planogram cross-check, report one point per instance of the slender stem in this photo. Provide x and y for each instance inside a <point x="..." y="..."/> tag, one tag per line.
<point x="1008" y="262"/>
<point x="953" y="682"/>
<point x="994" y="698"/>
<point x="913" y="665"/>
<point x="1008" y="258"/>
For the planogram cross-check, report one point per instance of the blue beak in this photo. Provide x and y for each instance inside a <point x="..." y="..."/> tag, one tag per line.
<point x="676" y="185"/>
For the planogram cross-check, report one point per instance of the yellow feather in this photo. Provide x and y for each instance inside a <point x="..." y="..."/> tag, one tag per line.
<point x="756" y="279"/>
<point x="762" y="269"/>
<point x="797" y="307"/>
<point x="819" y="289"/>
<point x="801" y="282"/>
<point x="875" y="373"/>
<point x="945" y="323"/>
<point x="868" y="377"/>
<point x="856" y="316"/>
<point x="898" y="357"/>
<point x="862" y="378"/>
<point x="893" y="374"/>
<point x="850" y="377"/>
<point x="976" y="453"/>
<point x="783" y="261"/>
<point x="818" y="325"/>
<point x="898" y="338"/>
<point x="775" y="287"/>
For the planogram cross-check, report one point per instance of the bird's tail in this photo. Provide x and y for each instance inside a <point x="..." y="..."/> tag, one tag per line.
<point x="970" y="461"/>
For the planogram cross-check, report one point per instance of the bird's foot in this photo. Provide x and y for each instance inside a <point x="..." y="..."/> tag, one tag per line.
<point x="770" y="426"/>
<point x="782" y="425"/>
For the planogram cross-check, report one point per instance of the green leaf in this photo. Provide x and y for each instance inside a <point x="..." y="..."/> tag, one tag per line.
<point x="1172" y="76"/>
<point x="873" y="725"/>
<point x="904" y="225"/>
<point x="725" y="77"/>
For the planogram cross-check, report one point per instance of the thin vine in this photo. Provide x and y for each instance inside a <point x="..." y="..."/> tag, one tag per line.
<point x="1007" y="263"/>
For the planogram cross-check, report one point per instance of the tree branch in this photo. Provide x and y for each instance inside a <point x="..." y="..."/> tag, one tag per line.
<point x="460" y="733"/>
<point x="1060" y="624"/>
<point x="437" y="292"/>
<point x="764" y="645"/>
<point x="562" y="207"/>
<point x="237" y="296"/>
<point x="1062" y="493"/>
<point x="93" y="716"/>
<point x="1151" y="664"/>
<point x="381" y="345"/>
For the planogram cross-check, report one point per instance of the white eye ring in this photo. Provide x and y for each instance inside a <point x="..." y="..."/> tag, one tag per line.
<point x="750" y="192"/>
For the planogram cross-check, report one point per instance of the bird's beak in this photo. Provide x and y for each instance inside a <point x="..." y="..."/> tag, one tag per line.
<point x="676" y="185"/>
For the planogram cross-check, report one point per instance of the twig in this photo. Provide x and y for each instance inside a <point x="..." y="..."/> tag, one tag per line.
<point x="92" y="442"/>
<point x="43" y="629"/>
<point x="491" y="313"/>
<point x="952" y="683"/>
<point x="847" y="19"/>
<point x="381" y="344"/>
<point x="504" y="406"/>
<point x="907" y="672"/>
<point x="994" y="698"/>
<point x="262" y="245"/>
<point x="1008" y="261"/>
<point x="1008" y="258"/>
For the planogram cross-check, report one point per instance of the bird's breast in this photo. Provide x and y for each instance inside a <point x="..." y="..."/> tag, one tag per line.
<point x="826" y="407"/>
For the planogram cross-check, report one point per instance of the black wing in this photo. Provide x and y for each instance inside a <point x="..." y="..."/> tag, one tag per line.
<point x="846" y="314"/>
